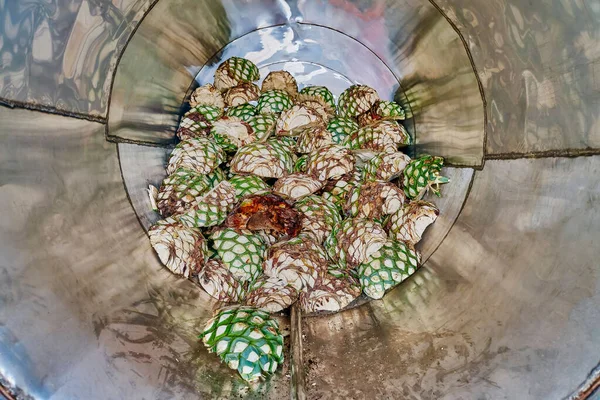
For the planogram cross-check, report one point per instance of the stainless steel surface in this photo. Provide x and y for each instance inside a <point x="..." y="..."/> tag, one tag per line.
<point x="62" y="54"/>
<point x="379" y="43"/>
<point x="506" y="306"/>
<point x="539" y="63"/>
<point x="86" y="309"/>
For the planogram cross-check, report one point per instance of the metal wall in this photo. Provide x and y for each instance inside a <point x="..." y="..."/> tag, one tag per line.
<point x="506" y="305"/>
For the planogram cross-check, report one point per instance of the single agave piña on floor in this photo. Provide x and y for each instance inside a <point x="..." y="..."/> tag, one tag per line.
<point x="384" y="269"/>
<point x="182" y="249"/>
<point x="423" y="174"/>
<point x="410" y="222"/>
<point x="246" y="339"/>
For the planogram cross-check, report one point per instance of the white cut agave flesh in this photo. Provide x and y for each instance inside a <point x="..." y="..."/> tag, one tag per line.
<point x="297" y="117"/>
<point x="236" y="133"/>
<point x="354" y="240"/>
<point x="409" y="222"/>
<point x="219" y="282"/>
<point x="296" y="186"/>
<point x="330" y="294"/>
<point x="181" y="249"/>
<point x="299" y="261"/>
<point x="313" y="138"/>
<point x="374" y="200"/>
<point x="268" y="160"/>
<point x="201" y="155"/>
<point x="271" y="294"/>
<point x="242" y="94"/>
<point x="281" y="80"/>
<point x="207" y="95"/>
<point x="330" y="162"/>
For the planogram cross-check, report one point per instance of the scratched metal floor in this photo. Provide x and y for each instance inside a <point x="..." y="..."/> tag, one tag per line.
<point x="507" y="305"/>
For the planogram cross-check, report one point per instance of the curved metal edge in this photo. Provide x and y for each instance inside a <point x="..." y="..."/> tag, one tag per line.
<point x="479" y="84"/>
<point x="589" y="387"/>
<point x="127" y="191"/>
<point x="117" y="63"/>
<point x="462" y="207"/>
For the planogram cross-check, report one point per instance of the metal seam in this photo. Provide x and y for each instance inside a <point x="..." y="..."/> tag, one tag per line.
<point x="560" y="153"/>
<point x="14" y="104"/>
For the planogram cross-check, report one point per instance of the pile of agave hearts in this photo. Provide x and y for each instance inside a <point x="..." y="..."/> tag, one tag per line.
<point x="276" y="196"/>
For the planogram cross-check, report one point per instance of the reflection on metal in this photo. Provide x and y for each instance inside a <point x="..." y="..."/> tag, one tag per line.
<point x="539" y="64"/>
<point x="505" y="307"/>
<point x="60" y="56"/>
<point x="382" y="45"/>
<point x="510" y="298"/>
<point x="86" y="309"/>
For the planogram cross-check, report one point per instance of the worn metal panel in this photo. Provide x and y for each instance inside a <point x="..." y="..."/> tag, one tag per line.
<point x="86" y="309"/>
<point x="505" y="309"/>
<point x="539" y="63"/>
<point x="62" y="54"/>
